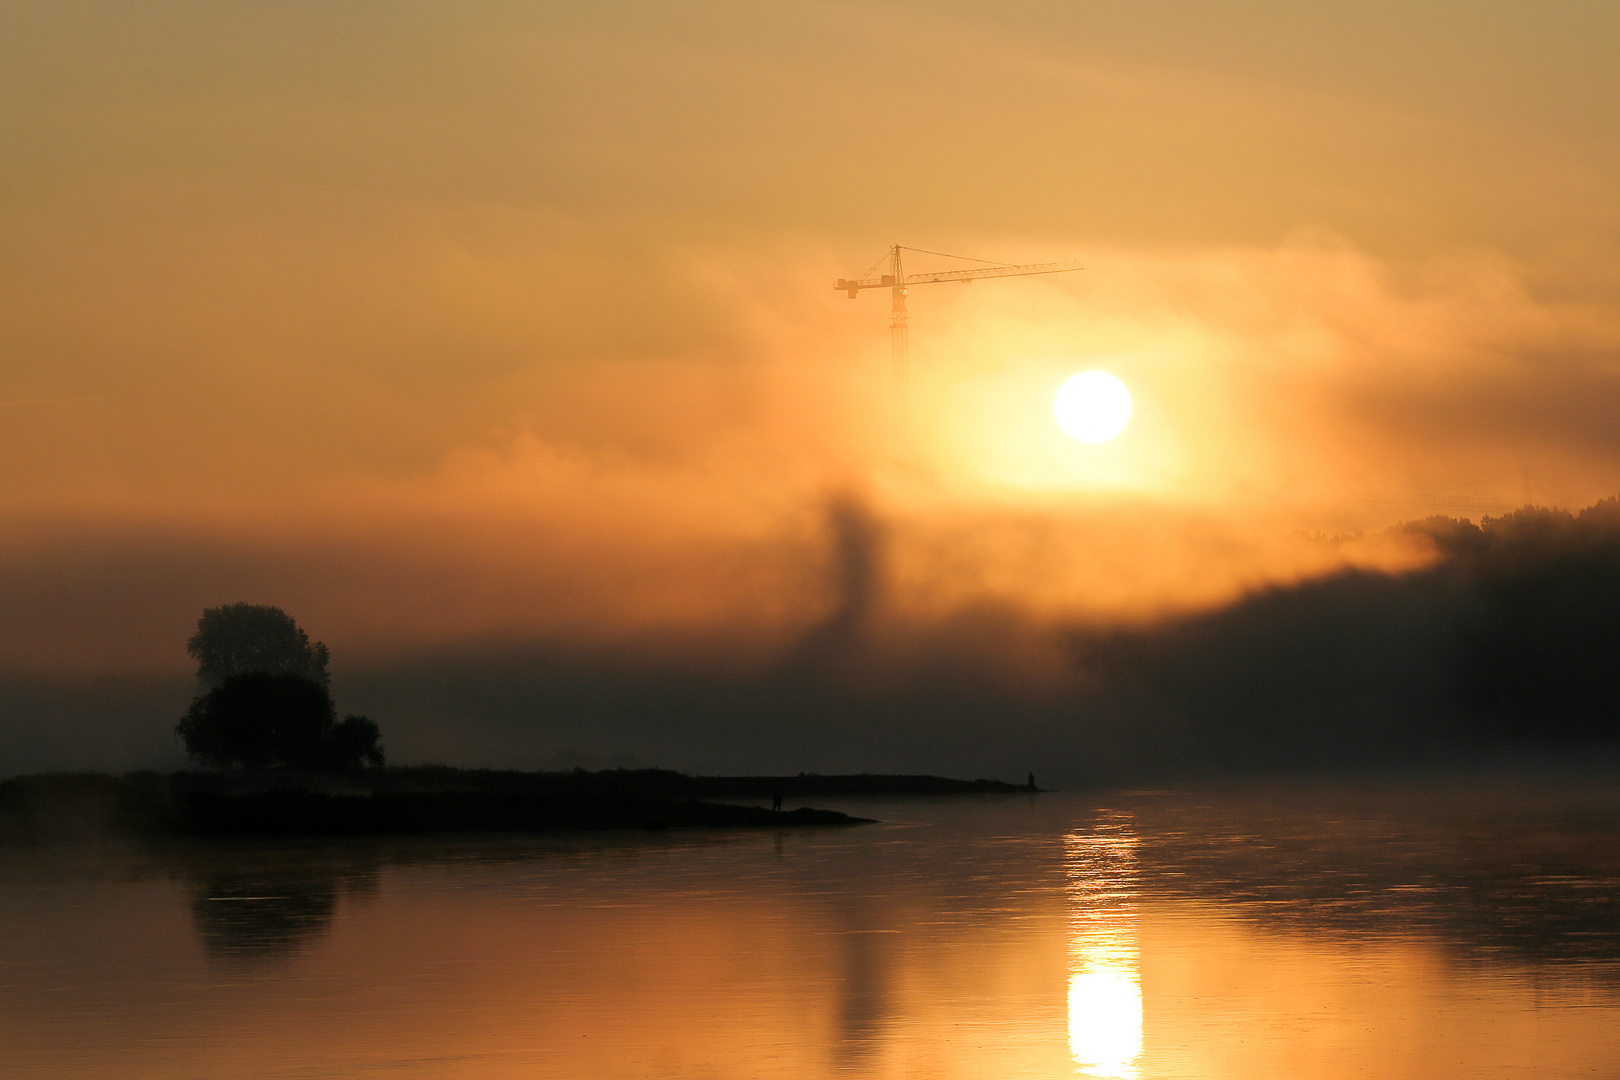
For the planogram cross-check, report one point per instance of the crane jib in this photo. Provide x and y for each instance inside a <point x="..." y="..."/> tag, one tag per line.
<point x="897" y="281"/>
<point x="887" y="281"/>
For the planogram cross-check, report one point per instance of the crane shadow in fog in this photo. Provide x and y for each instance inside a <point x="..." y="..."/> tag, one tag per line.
<point x="864" y="1006"/>
<point x="264" y="907"/>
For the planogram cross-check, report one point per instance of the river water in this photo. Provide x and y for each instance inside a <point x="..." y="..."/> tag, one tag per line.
<point x="1455" y="928"/>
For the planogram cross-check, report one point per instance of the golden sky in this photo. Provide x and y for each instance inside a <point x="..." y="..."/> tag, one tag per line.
<point x="437" y="322"/>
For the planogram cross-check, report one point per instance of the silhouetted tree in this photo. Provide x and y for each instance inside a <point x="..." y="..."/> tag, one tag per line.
<point x="355" y="741"/>
<point x="268" y="719"/>
<point x="237" y="639"/>
<point x="266" y="702"/>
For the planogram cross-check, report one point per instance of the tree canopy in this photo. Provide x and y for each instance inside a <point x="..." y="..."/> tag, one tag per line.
<point x="236" y="639"/>
<point x="276" y="719"/>
<point x="266" y="703"/>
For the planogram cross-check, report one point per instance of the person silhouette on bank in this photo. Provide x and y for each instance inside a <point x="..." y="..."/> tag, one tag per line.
<point x="1032" y="781"/>
<point x="776" y="801"/>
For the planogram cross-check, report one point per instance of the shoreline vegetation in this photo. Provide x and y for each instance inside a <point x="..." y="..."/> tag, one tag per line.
<point x="394" y="801"/>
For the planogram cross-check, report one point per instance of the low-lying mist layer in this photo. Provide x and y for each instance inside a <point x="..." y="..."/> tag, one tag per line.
<point x="1506" y="637"/>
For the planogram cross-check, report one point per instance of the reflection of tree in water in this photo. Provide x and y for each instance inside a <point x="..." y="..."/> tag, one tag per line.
<point x="262" y="906"/>
<point x="255" y="904"/>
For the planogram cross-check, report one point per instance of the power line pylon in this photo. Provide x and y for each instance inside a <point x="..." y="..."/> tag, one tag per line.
<point x="897" y="283"/>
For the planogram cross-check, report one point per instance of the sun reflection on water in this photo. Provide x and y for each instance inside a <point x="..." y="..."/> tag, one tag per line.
<point x="1105" y="983"/>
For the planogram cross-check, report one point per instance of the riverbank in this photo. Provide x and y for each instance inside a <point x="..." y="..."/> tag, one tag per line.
<point x="434" y="799"/>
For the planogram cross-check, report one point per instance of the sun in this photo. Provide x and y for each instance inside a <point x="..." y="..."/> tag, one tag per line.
<point x="1092" y="406"/>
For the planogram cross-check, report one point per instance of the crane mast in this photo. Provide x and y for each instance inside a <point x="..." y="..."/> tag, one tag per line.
<point x="897" y="283"/>
<point x="899" y="333"/>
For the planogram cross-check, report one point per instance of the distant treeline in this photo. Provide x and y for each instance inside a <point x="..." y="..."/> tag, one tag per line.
<point x="1538" y="619"/>
<point x="1511" y="637"/>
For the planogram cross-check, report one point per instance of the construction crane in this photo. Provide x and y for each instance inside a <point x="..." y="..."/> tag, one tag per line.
<point x="897" y="283"/>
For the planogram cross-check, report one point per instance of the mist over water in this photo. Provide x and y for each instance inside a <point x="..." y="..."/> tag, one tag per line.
<point x="1496" y="641"/>
<point x="1446" y="928"/>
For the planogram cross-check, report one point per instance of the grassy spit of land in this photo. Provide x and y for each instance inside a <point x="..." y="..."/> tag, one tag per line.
<point x="431" y="799"/>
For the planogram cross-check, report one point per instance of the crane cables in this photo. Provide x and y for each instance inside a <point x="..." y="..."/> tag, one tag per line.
<point x="943" y="255"/>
